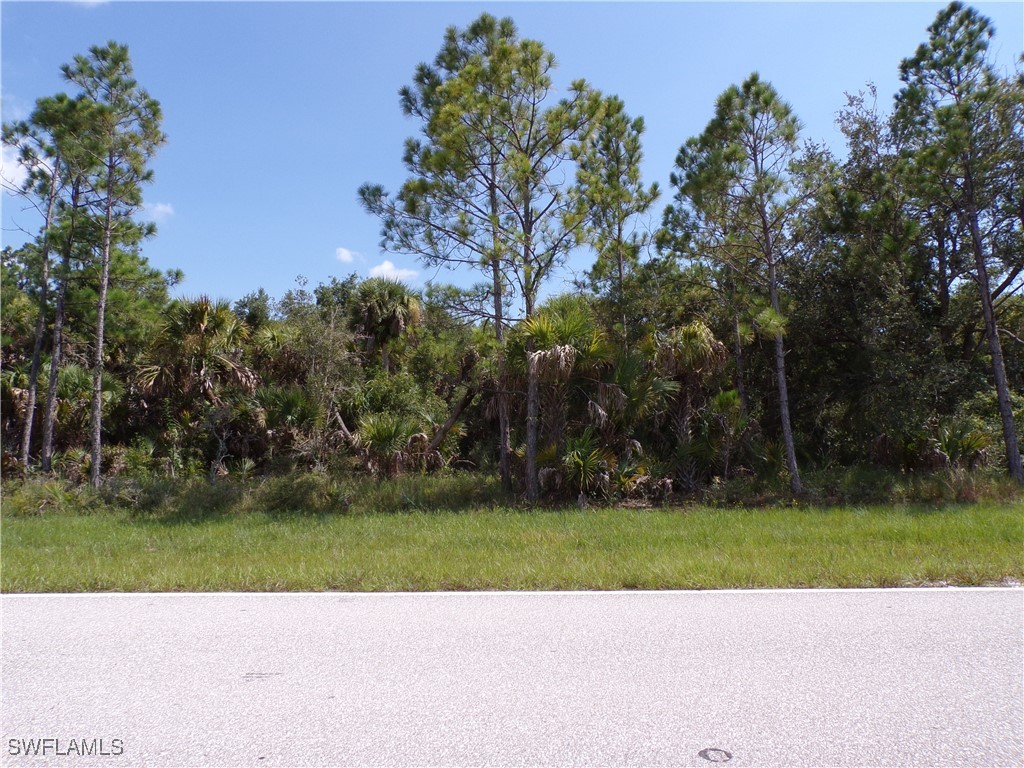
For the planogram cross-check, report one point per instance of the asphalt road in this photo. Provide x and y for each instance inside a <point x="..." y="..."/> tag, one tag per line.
<point x="929" y="677"/>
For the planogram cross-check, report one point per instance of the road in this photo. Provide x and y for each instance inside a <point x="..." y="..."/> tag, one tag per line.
<point x="909" y="677"/>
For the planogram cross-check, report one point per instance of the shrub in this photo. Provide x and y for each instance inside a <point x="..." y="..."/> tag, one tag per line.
<point x="175" y="500"/>
<point x="385" y="439"/>
<point x="586" y="465"/>
<point x="73" y="464"/>
<point x="428" y="493"/>
<point x="961" y="443"/>
<point x="313" y="492"/>
<point x="47" y="497"/>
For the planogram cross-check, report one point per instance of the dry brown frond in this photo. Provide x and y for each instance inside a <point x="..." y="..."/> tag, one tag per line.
<point x="555" y="364"/>
<point x="597" y="414"/>
<point x="611" y="397"/>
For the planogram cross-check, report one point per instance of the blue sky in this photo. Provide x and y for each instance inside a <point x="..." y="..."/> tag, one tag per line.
<point x="276" y="112"/>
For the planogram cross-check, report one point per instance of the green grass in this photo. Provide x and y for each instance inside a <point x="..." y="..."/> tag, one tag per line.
<point x="489" y="547"/>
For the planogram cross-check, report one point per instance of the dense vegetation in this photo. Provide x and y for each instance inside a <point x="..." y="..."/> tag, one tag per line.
<point x="793" y="314"/>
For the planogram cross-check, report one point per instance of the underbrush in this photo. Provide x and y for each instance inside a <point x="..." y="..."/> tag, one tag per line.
<point x="868" y="485"/>
<point x="311" y="493"/>
<point x="323" y="493"/>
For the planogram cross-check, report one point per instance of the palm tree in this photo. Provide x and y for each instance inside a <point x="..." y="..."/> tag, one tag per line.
<point x="562" y="349"/>
<point x="570" y="349"/>
<point x="381" y="310"/>
<point x="198" y="351"/>
<point x="384" y="441"/>
<point x="631" y="396"/>
<point x="288" y="413"/>
<point x="72" y="395"/>
<point x="690" y="354"/>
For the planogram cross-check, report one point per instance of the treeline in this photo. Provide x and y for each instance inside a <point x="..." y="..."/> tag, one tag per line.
<point x="792" y="310"/>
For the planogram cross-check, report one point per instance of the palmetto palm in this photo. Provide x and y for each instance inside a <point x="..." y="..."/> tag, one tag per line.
<point x="728" y="425"/>
<point x="72" y="398"/>
<point x="74" y="392"/>
<point x="566" y="339"/>
<point x="690" y="354"/>
<point x="198" y="351"/>
<point x="381" y="310"/>
<point x="631" y="395"/>
<point x="569" y="349"/>
<point x="384" y="439"/>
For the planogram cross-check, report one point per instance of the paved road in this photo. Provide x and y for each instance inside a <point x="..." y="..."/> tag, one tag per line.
<point x="790" y="678"/>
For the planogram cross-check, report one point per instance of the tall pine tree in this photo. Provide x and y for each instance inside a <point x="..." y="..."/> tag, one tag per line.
<point x="127" y="133"/>
<point x="964" y="131"/>
<point x="738" y="184"/>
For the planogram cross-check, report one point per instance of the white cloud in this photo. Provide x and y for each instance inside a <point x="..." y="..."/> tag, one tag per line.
<point x="158" y="211"/>
<point x="12" y="171"/>
<point x="389" y="270"/>
<point x="345" y="256"/>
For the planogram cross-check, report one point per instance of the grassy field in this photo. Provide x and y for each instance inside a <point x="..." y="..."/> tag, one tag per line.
<point x="499" y="548"/>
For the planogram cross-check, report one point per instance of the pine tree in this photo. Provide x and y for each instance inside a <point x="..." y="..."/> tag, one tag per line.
<point x="964" y="132"/>
<point x="126" y="130"/>
<point x="610" y="195"/>
<point x="39" y="153"/>
<point x="449" y="210"/>
<point x="739" y="185"/>
<point x="488" y="185"/>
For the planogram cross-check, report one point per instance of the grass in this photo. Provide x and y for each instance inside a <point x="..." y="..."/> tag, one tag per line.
<point x="466" y="541"/>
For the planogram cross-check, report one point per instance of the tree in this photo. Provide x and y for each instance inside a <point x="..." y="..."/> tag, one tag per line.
<point x="381" y="311"/>
<point x="39" y="153"/>
<point x="487" y="185"/>
<point x="255" y="309"/>
<point x="69" y="122"/>
<point x="874" y="359"/>
<point x="611" y="194"/>
<point x="126" y="130"/>
<point x="193" y="364"/>
<point x="738" y="183"/>
<point x="197" y="352"/>
<point x="690" y="354"/>
<point x="569" y="352"/>
<point x="448" y="211"/>
<point x="539" y="222"/>
<point x="965" y="143"/>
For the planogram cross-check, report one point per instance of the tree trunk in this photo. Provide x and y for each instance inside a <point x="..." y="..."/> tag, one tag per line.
<point x="532" y="412"/>
<point x="780" y="352"/>
<point x="346" y="433"/>
<point x="50" y="409"/>
<point x="995" y="347"/>
<point x="504" y="436"/>
<point x="945" y="327"/>
<point x="532" y="371"/>
<point x="96" y="420"/>
<point x="780" y="375"/>
<point x="37" y="349"/>
<point x="683" y="417"/>
<point x="741" y="386"/>
<point x="622" y="281"/>
<point x="504" y="439"/>
<point x="445" y="428"/>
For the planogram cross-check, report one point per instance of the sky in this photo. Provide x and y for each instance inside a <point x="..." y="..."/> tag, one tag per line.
<point x="276" y="112"/>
